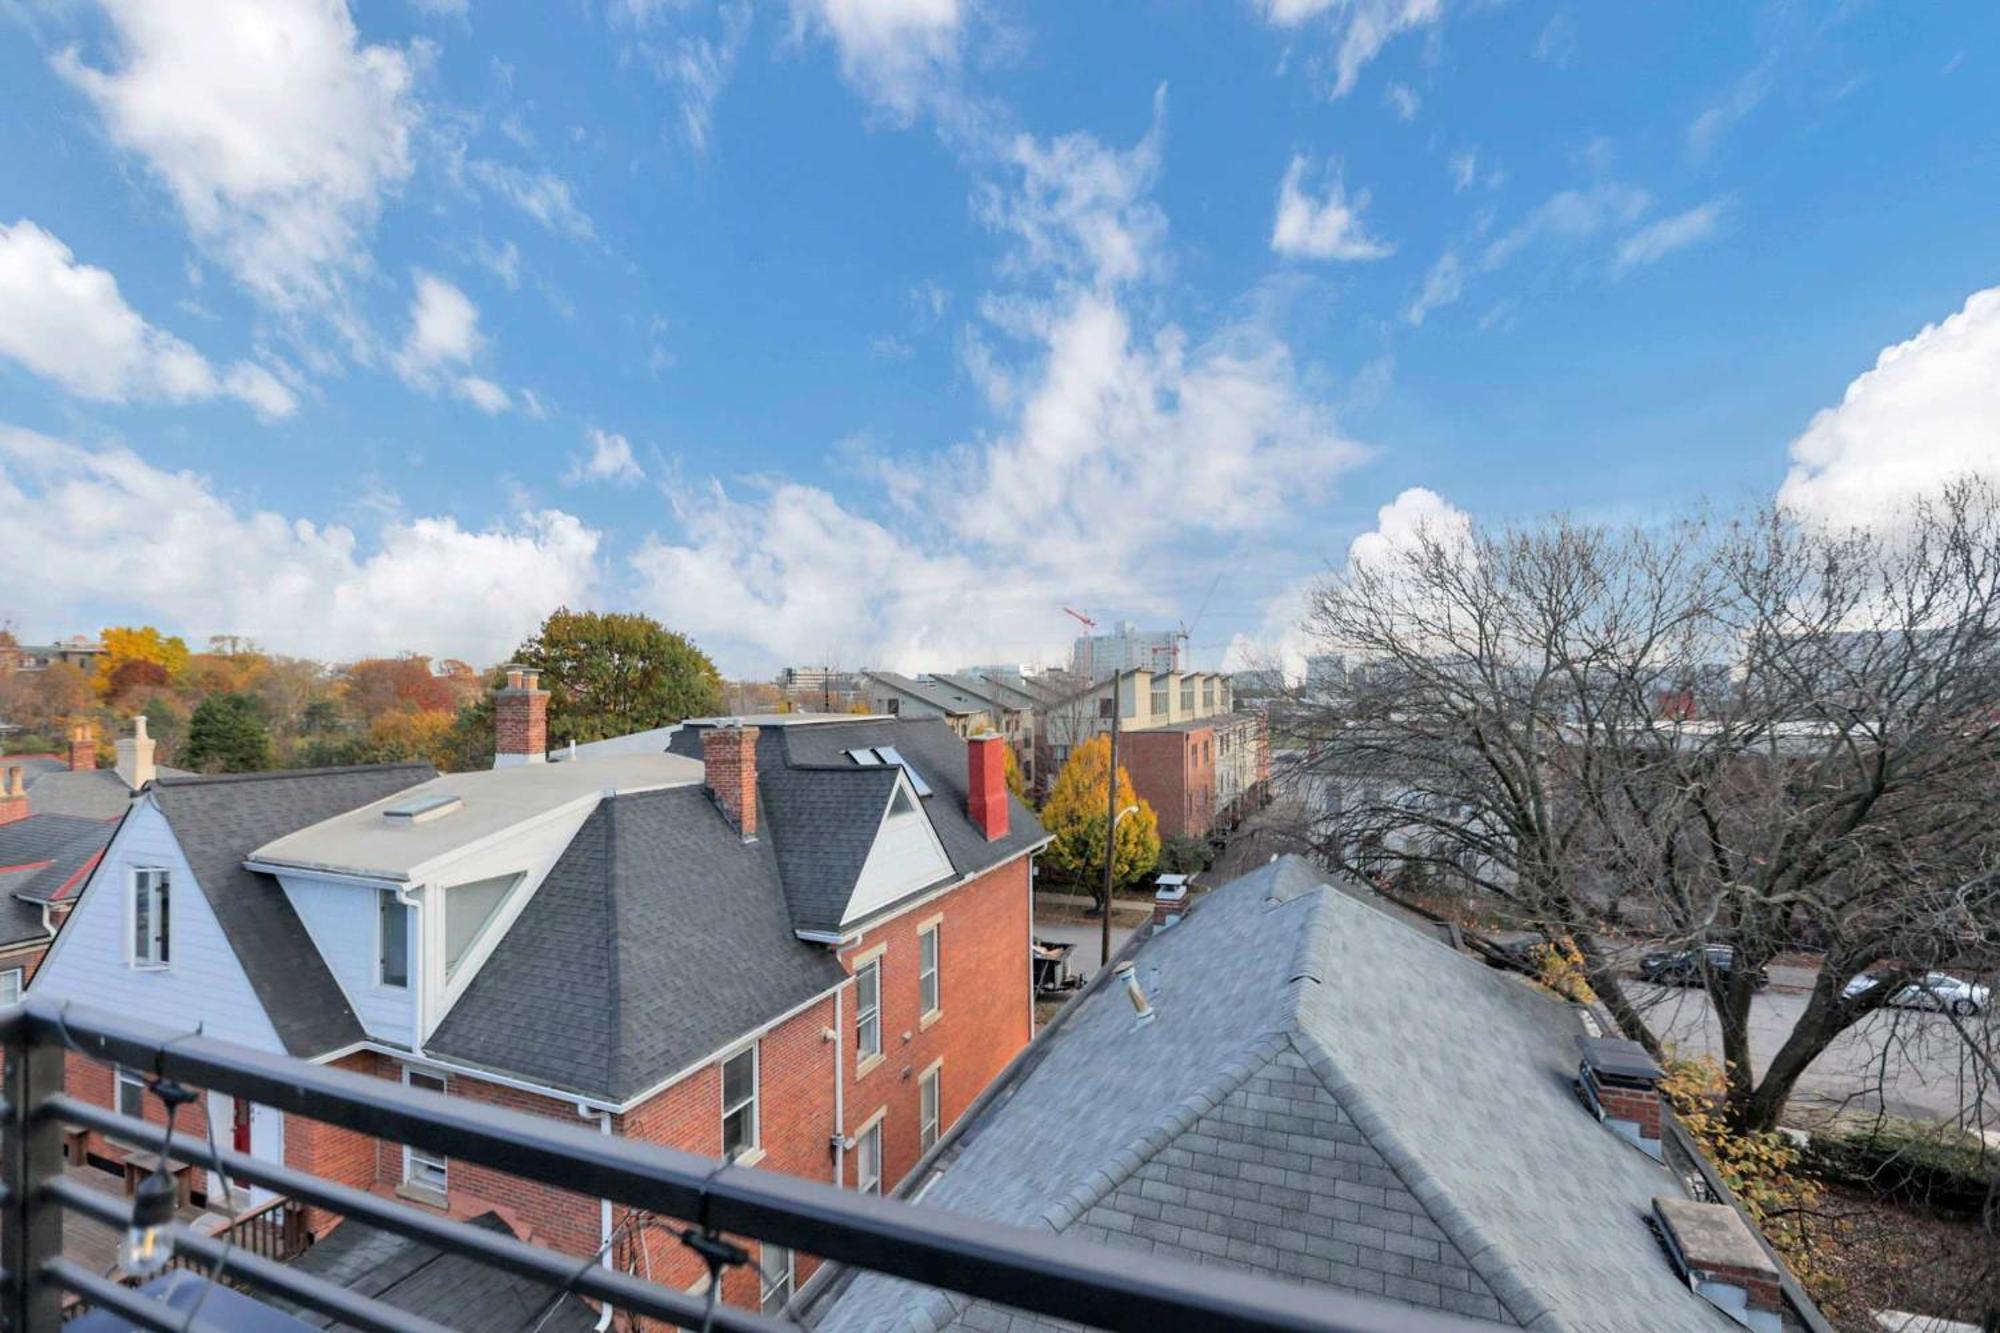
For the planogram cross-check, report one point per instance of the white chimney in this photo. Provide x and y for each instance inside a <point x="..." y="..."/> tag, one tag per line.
<point x="135" y="756"/>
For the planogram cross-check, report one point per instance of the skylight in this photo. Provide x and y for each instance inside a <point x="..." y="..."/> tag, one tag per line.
<point x="422" y="809"/>
<point x="890" y="755"/>
<point x="865" y="758"/>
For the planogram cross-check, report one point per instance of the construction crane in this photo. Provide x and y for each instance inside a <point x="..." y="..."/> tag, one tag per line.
<point x="1187" y="627"/>
<point x="1089" y="644"/>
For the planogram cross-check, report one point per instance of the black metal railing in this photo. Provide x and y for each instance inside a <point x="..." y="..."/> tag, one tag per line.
<point x="1056" y="1276"/>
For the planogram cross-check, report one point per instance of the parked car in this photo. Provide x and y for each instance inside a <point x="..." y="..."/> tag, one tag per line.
<point x="1939" y="991"/>
<point x="1683" y="967"/>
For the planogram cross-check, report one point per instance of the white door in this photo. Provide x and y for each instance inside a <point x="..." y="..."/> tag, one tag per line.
<point x="258" y="1130"/>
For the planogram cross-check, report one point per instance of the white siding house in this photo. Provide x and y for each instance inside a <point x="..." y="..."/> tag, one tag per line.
<point x="202" y="983"/>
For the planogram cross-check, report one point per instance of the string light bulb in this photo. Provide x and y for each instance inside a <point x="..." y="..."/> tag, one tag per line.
<point x="149" y="1239"/>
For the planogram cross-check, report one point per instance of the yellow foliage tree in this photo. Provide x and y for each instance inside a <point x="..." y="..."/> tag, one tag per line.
<point x="1075" y="815"/>
<point x="143" y="643"/>
<point x="1017" y="782"/>
<point x="414" y="734"/>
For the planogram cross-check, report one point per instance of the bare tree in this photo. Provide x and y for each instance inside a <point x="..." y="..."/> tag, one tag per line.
<point x="1755" y="734"/>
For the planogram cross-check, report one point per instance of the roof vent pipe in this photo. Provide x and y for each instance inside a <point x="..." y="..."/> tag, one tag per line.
<point x="1128" y="975"/>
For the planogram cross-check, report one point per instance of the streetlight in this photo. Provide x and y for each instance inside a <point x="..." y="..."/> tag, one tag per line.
<point x="1110" y="858"/>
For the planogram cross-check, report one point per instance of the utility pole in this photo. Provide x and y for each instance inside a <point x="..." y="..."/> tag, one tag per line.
<point x="1110" y="821"/>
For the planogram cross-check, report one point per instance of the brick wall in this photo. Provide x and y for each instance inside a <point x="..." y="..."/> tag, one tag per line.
<point x="984" y="1011"/>
<point x="795" y="1131"/>
<point x="1174" y="772"/>
<point x="729" y="767"/>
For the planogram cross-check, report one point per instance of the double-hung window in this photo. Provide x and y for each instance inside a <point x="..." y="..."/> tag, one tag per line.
<point x="927" y="1096"/>
<point x="393" y="938"/>
<point x="777" y="1269"/>
<point x="10" y="986"/>
<point x="868" y="1010"/>
<point x="423" y="1169"/>
<point x="739" y="1102"/>
<point x="927" y="972"/>
<point x="868" y="1160"/>
<point x="131" y="1095"/>
<point x="149" y="917"/>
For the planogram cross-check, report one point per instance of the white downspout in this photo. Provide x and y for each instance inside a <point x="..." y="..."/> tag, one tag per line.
<point x="839" y="1096"/>
<point x="603" y="1218"/>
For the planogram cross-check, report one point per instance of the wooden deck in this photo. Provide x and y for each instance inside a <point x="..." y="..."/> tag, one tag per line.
<point x="88" y="1241"/>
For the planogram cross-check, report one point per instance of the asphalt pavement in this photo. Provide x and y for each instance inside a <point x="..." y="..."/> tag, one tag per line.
<point x="1903" y="1061"/>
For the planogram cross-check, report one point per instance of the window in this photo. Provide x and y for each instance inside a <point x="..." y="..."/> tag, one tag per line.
<point x="131" y="1095"/>
<point x="928" y="1114"/>
<point x="776" y="1269"/>
<point x="868" y="1010"/>
<point x="468" y="909"/>
<point x="393" y="934"/>
<point x="927" y="971"/>
<point x="423" y="1169"/>
<point x="739" y="1102"/>
<point x="10" y="986"/>
<point x="1160" y="701"/>
<point x="1187" y="696"/>
<point x="149" y="918"/>
<point x="1208" y="694"/>
<point x="894" y="705"/>
<point x="868" y="1160"/>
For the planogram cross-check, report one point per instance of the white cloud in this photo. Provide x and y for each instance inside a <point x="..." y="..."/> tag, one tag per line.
<point x="610" y="459"/>
<point x="1323" y="227"/>
<point x="542" y="195"/>
<point x="67" y="322"/>
<point x="1079" y="209"/>
<point x="1557" y="43"/>
<point x="1417" y="512"/>
<point x="1444" y="284"/>
<point x="1402" y="99"/>
<point x="1926" y="414"/>
<point x="1714" y="121"/>
<point x="1653" y="243"/>
<point x="164" y="547"/>
<point x="443" y="8"/>
<point x="1572" y="215"/>
<point x="897" y="53"/>
<point x="442" y="343"/>
<point x="275" y="130"/>
<point x="1464" y="170"/>
<point x="1109" y="419"/>
<point x="1361" y="27"/>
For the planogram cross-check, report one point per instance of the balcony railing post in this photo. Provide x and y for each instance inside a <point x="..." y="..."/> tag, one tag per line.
<point x="32" y="1231"/>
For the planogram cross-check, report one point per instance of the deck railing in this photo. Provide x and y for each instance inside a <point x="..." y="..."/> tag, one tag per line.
<point x="1056" y="1276"/>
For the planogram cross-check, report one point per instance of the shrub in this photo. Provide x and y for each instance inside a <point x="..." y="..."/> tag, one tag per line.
<point x="1932" y="1166"/>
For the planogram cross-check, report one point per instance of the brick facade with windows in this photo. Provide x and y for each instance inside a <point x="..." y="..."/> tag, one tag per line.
<point x="984" y="1016"/>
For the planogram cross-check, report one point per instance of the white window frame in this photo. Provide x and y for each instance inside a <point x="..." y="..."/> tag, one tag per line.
<point x="19" y="983"/>
<point x="931" y="975"/>
<point x="383" y="898"/>
<point x="157" y="883"/>
<point x="123" y="1079"/>
<point x="415" y="1157"/>
<point x="755" y="1141"/>
<point x="868" y="1018"/>
<point x="930" y="1118"/>
<point x="868" y="1156"/>
<point x="781" y="1290"/>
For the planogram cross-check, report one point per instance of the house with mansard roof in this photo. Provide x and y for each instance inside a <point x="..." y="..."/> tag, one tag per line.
<point x="802" y="943"/>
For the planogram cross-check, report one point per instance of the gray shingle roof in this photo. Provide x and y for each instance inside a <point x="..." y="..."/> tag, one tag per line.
<point x="822" y="810"/>
<point x="219" y="821"/>
<point x="658" y="937"/>
<point x="938" y="694"/>
<point x="1326" y="1096"/>
<point x="44" y="855"/>
<point x="448" y="1289"/>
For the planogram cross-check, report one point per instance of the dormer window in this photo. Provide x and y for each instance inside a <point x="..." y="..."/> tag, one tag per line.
<point x="468" y="910"/>
<point x="392" y="966"/>
<point x="150" y="933"/>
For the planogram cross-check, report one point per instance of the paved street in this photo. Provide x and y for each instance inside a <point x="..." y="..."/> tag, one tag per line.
<point x="1083" y="959"/>
<point x="1904" y="1061"/>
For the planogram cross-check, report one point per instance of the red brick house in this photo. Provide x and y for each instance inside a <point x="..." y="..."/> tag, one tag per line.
<point x="801" y="940"/>
<point x="1200" y="774"/>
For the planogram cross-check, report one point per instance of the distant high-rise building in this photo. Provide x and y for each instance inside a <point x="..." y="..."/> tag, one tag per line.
<point x="1126" y="648"/>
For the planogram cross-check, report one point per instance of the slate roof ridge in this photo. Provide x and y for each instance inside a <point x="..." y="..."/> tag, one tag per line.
<point x="616" y="940"/>
<point x="1175" y="1121"/>
<point x="1528" y="1306"/>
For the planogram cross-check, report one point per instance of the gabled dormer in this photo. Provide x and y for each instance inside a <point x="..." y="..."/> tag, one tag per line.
<point x="406" y="898"/>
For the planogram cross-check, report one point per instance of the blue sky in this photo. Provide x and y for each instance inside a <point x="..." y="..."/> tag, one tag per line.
<point x="880" y="332"/>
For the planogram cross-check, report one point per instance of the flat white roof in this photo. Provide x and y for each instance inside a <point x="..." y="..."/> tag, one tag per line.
<point x="368" y="843"/>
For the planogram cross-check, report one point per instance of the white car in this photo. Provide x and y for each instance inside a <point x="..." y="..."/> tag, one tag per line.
<point x="1934" y="990"/>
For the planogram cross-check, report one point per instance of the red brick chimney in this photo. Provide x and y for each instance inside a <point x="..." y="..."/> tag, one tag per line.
<point x="13" y="794"/>
<point x="82" y="747"/>
<point x="986" y="784"/>
<point x="1622" y="1084"/>
<point x="521" y="719"/>
<point x="729" y="761"/>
